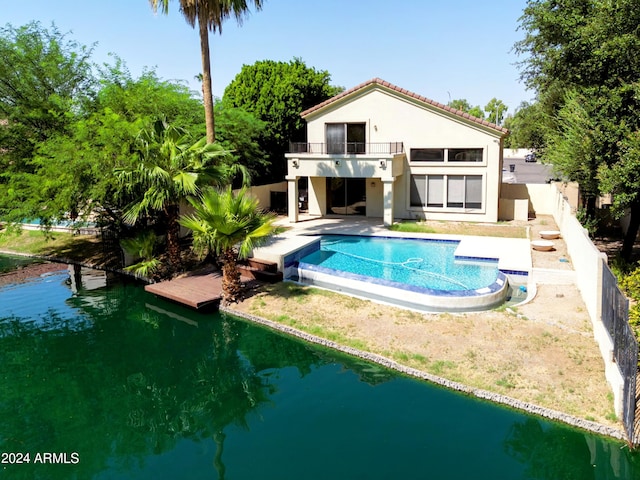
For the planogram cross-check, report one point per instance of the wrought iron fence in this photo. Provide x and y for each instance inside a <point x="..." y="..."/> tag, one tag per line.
<point x="347" y="148"/>
<point x="615" y="317"/>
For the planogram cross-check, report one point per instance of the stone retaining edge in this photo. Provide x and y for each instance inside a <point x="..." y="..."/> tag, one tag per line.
<point x="476" y="392"/>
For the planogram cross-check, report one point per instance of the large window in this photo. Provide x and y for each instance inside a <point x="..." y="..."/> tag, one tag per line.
<point x="427" y="155"/>
<point x="446" y="155"/>
<point x="346" y="138"/>
<point x="452" y="191"/>
<point x="465" y="154"/>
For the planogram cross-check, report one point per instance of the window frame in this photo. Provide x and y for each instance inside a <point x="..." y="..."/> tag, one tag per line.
<point x="469" y="186"/>
<point x="448" y="153"/>
<point x="349" y="147"/>
<point x="426" y="151"/>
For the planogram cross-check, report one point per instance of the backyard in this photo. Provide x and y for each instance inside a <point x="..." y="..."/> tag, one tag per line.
<point x="542" y="352"/>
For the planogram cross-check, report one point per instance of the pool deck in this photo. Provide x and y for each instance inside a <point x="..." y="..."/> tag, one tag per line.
<point x="201" y="290"/>
<point x="513" y="254"/>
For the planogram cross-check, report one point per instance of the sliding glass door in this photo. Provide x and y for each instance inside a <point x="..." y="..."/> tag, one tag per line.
<point x="346" y="196"/>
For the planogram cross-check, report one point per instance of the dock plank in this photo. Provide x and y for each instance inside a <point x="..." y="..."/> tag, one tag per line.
<point x="195" y="290"/>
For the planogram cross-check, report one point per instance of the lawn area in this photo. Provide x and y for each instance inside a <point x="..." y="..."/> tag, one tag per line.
<point x="508" y="230"/>
<point x="81" y="248"/>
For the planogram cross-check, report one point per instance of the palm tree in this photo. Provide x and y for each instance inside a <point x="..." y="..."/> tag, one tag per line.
<point x="230" y="226"/>
<point x="170" y="169"/>
<point x="209" y="15"/>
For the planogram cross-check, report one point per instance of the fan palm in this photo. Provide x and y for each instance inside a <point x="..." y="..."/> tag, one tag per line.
<point x="170" y="169"/>
<point x="229" y="225"/>
<point x="209" y="15"/>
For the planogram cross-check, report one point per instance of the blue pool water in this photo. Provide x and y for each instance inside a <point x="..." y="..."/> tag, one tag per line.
<point x="421" y="263"/>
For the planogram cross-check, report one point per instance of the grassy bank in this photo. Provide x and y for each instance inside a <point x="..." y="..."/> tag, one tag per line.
<point x="508" y="230"/>
<point x="81" y="248"/>
<point x="516" y="353"/>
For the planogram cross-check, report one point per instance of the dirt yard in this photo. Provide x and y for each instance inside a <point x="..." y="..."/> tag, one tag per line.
<point x="542" y="352"/>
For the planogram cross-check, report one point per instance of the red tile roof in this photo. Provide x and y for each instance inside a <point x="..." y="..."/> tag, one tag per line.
<point x="403" y="91"/>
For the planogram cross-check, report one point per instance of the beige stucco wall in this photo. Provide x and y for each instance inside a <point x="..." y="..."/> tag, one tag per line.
<point x="362" y="166"/>
<point x="390" y="117"/>
<point x="263" y="192"/>
<point x="540" y="197"/>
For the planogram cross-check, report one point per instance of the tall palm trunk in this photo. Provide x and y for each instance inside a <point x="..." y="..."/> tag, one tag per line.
<point x="173" y="235"/>
<point x="231" y="285"/>
<point x="207" y="92"/>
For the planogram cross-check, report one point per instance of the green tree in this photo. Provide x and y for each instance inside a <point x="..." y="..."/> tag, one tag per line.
<point x="73" y="171"/>
<point x="589" y="49"/>
<point x="229" y="225"/>
<point x="496" y="110"/>
<point x="622" y="179"/>
<point x="276" y="93"/>
<point x="526" y="127"/>
<point x="44" y="80"/>
<point x="142" y="248"/>
<point x="463" y="105"/>
<point x="574" y="137"/>
<point x="148" y="96"/>
<point x="208" y="15"/>
<point x="170" y="169"/>
<point x="240" y="132"/>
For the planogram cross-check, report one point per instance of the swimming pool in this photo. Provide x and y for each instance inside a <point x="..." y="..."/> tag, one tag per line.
<point x="417" y="273"/>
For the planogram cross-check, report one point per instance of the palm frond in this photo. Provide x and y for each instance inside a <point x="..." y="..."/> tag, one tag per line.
<point x="223" y="220"/>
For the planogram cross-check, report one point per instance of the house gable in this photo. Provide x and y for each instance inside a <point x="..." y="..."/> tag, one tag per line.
<point x="413" y="157"/>
<point x="402" y="94"/>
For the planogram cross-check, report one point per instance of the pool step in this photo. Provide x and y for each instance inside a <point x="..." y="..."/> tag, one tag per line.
<point x="260" y="270"/>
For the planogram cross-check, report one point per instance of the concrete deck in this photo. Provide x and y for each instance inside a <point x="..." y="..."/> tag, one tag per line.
<point x="513" y="254"/>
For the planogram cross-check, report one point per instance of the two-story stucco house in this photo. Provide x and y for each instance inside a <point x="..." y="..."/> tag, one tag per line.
<point x="381" y="151"/>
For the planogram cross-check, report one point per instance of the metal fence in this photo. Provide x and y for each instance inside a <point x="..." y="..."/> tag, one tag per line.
<point x="615" y="317"/>
<point x="347" y="148"/>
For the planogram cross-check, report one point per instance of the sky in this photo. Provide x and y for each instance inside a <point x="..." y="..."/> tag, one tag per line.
<point x="458" y="49"/>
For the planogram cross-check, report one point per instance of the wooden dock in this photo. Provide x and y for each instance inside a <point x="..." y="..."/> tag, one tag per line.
<point x="204" y="289"/>
<point x="196" y="290"/>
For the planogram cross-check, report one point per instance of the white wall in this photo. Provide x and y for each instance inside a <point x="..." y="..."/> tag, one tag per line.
<point x="390" y="117"/>
<point x="263" y="192"/>
<point x="556" y="199"/>
<point x="516" y="152"/>
<point x="588" y="261"/>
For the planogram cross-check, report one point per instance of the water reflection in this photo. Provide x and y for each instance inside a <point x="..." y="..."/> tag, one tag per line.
<point x="141" y="388"/>
<point x="551" y="451"/>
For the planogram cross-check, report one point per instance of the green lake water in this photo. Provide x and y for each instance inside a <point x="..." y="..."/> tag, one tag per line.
<point x="100" y="380"/>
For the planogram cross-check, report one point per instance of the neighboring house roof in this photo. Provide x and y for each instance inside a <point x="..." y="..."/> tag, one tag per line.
<point x="389" y="86"/>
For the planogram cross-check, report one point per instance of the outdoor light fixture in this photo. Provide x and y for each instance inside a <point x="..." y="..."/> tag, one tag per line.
<point x="295" y="163"/>
<point x="383" y="164"/>
<point x="337" y="163"/>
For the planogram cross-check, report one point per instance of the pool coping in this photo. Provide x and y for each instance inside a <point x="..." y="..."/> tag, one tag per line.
<point x="405" y="295"/>
<point x="398" y="294"/>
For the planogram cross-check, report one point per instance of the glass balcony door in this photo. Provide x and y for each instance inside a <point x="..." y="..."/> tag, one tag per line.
<point x="346" y="138"/>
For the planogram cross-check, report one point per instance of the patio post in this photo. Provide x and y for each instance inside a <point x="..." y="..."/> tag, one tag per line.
<point x="292" y="199"/>
<point x="387" y="201"/>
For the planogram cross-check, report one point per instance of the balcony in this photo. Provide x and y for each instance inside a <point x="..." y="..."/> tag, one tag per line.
<point x="348" y="148"/>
